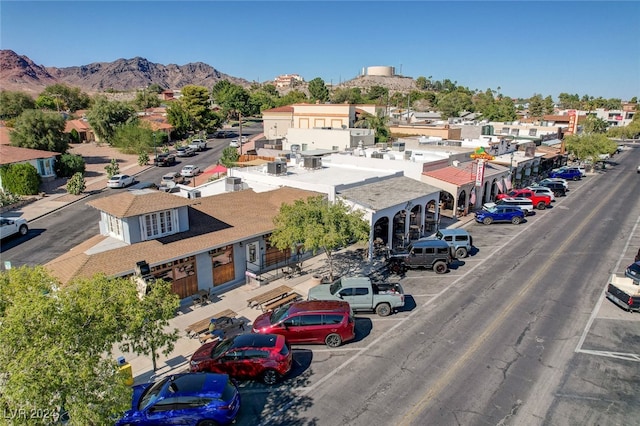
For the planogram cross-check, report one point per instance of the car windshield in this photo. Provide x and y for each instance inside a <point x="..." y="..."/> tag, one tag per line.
<point x="335" y="286"/>
<point x="491" y="209"/>
<point x="151" y="394"/>
<point x="279" y="314"/>
<point x="221" y="348"/>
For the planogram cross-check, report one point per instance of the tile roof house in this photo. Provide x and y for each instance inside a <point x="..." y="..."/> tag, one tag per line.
<point x="43" y="161"/>
<point x="82" y="127"/>
<point x="193" y="243"/>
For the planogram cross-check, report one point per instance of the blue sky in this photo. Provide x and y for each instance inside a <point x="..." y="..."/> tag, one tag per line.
<point x="545" y="47"/>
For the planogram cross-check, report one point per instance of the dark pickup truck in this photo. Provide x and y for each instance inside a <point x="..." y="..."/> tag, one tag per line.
<point x="163" y="160"/>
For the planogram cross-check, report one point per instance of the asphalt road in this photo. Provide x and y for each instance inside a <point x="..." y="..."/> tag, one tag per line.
<point x="504" y="339"/>
<point x="58" y="232"/>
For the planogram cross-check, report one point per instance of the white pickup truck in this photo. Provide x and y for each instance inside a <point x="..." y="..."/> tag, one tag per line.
<point x="198" y="145"/>
<point x="361" y="294"/>
<point x="624" y="292"/>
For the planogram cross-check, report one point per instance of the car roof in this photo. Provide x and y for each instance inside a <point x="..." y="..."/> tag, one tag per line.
<point x="196" y="383"/>
<point x="319" y="306"/>
<point x="170" y="174"/>
<point x="453" y="231"/>
<point x="431" y="242"/>
<point x="255" y="340"/>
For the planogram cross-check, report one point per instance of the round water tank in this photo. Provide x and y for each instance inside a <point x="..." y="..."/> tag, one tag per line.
<point x="381" y="71"/>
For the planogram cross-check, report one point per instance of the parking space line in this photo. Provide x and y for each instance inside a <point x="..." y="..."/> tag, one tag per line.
<point x="596" y="308"/>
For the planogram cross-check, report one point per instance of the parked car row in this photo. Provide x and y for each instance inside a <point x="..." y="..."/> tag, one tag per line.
<point x="515" y="205"/>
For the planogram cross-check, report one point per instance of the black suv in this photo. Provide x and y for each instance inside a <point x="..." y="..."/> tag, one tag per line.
<point x="427" y="253"/>
<point x="557" y="188"/>
<point x="164" y="160"/>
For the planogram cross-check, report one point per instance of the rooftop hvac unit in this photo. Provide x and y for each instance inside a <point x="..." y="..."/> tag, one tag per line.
<point x="277" y="168"/>
<point x="377" y="154"/>
<point x="312" y="163"/>
<point x="233" y="184"/>
<point x="194" y="194"/>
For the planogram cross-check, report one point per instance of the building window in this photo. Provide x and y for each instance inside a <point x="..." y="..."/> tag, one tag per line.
<point x="515" y="132"/>
<point x="505" y="130"/>
<point x="532" y="132"/>
<point x="114" y="226"/>
<point x="158" y="224"/>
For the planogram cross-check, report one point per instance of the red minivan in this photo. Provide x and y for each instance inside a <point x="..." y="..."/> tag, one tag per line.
<point x="312" y="321"/>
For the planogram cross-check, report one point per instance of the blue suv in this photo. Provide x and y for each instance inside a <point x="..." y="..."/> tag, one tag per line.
<point x="500" y="213"/>
<point x="566" y="173"/>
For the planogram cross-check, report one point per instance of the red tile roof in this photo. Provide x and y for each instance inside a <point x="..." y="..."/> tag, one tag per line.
<point x="13" y="154"/>
<point x="78" y="125"/>
<point x="461" y="175"/>
<point x="127" y="204"/>
<point x="286" y="108"/>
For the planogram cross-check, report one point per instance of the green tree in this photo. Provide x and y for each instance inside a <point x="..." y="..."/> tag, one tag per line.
<point x="590" y="146"/>
<point x="536" y="106"/>
<point x="69" y="164"/>
<point x="60" y="361"/>
<point x="452" y="103"/>
<point x="143" y="158"/>
<point x="36" y="129"/>
<point x="229" y="157"/>
<point x="421" y="83"/>
<point x="548" y="105"/>
<point x="351" y="95"/>
<point x="106" y="116"/>
<point x="318" y="224"/>
<point x="234" y="100"/>
<point x="376" y="122"/>
<point x="594" y="124"/>
<point x="133" y="137"/>
<point x="146" y="98"/>
<point x="292" y="97"/>
<point x="148" y="330"/>
<point x="178" y="117"/>
<point x="112" y="169"/>
<point x="318" y="90"/>
<point x="20" y="178"/>
<point x="76" y="184"/>
<point x="12" y="104"/>
<point x="195" y="100"/>
<point x="66" y="98"/>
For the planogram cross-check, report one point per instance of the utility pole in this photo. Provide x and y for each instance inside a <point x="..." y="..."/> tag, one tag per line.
<point x="240" y="138"/>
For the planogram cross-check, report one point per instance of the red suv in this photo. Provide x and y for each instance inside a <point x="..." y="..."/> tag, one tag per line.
<point x="312" y="321"/>
<point x="246" y="356"/>
<point x="539" y="201"/>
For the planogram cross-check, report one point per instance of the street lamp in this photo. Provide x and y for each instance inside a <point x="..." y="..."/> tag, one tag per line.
<point x="155" y="148"/>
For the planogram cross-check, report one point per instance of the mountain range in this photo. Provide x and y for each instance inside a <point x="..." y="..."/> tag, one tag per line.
<point x="19" y="73"/>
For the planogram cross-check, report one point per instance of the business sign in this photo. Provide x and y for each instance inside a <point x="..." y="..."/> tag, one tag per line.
<point x="480" y="173"/>
<point x="573" y="123"/>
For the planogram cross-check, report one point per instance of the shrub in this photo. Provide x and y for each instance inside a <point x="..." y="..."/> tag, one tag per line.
<point x="76" y="184"/>
<point x="7" y="198"/>
<point x="21" y="179"/>
<point x="143" y="158"/>
<point x="112" y="168"/>
<point x="69" y="164"/>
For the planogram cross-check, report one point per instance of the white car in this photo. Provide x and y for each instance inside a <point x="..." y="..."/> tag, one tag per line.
<point x="234" y="143"/>
<point x="10" y="226"/>
<point x="560" y="180"/>
<point x="244" y="139"/>
<point x="543" y="190"/>
<point x="120" y="181"/>
<point x="525" y="204"/>
<point x="190" y="170"/>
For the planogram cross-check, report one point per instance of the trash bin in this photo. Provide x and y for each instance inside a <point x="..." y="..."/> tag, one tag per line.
<point x="126" y="371"/>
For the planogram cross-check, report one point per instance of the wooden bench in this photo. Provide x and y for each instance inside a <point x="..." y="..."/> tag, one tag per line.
<point x="280" y="302"/>
<point x="203" y="325"/>
<point x="264" y="298"/>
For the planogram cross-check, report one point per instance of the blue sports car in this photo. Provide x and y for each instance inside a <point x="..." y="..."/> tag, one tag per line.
<point x="203" y="399"/>
<point x="500" y="213"/>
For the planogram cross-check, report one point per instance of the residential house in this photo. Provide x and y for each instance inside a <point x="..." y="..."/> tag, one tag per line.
<point x="43" y="161"/>
<point x="82" y="128"/>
